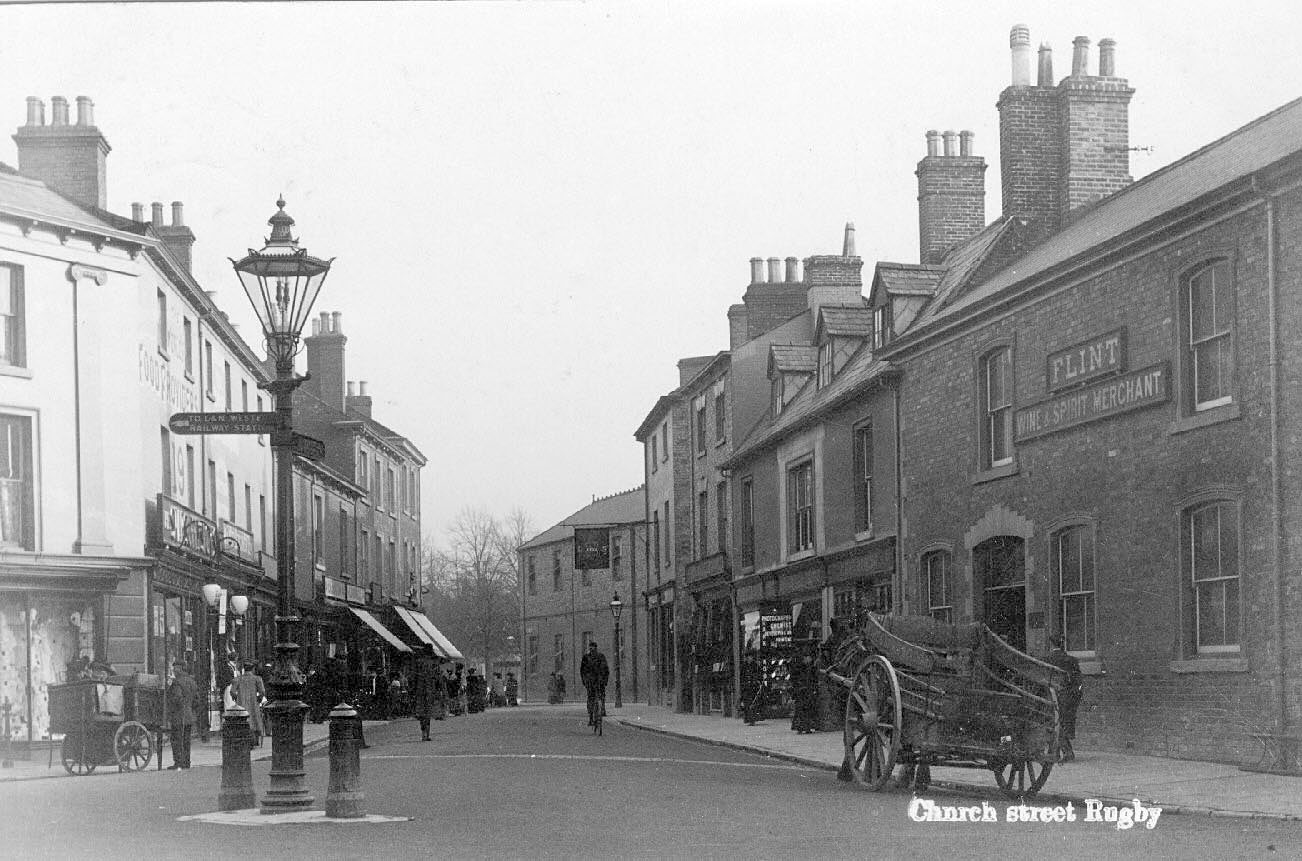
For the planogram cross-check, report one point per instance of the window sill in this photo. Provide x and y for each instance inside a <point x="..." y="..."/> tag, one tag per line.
<point x="15" y="371"/>
<point x="1092" y="667"/>
<point x="1210" y="665"/>
<point x="1206" y="418"/>
<point x="866" y="535"/>
<point x="995" y="473"/>
<point x="803" y="554"/>
<point x="163" y="353"/>
<point x="189" y="377"/>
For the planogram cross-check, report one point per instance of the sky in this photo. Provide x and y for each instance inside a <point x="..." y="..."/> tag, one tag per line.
<point x="536" y="209"/>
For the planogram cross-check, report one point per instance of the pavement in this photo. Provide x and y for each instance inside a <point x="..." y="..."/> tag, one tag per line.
<point x="203" y="754"/>
<point x="1175" y="785"/>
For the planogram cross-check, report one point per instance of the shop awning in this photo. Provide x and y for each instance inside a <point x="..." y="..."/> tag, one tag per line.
<point x="424" y="629"/>
<point x="378" y="628"/>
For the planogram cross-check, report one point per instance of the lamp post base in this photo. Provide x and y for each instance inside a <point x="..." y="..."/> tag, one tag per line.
<point x="288" y="789"/>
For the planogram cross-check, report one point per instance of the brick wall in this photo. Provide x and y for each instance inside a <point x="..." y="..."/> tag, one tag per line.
<point x="951" y="203"/>
<point x="1095" y="129"/>
<point x="1127" y="474"/>
<point x="1030" y="153"/>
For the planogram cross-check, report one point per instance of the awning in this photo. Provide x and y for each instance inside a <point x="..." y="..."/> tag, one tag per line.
<point x="424" y="629"/>
<point x="384" y="632"/>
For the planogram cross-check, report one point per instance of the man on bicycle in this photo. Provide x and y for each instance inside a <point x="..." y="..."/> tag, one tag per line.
<point x="594" y="672"/>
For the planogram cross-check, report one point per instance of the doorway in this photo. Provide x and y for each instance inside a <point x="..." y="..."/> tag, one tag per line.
<point x="999" y="567"/>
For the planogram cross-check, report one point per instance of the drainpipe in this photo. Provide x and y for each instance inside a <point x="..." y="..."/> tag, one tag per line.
<point x="1286" y="752"/>
<point x="897" y="579"/>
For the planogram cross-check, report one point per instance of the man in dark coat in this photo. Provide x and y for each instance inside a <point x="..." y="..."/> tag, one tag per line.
<point x="594" y="672"/>
<point x="426" y="684"/>
<point x="182" y="694"/>
<point x="1069" y="696"/>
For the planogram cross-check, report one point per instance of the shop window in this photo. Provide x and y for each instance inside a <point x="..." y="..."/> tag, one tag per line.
<point x="800" y="507"/>
<point x="939" y="586"/>
<point x="17" y="493"/>
<point x="1210" y="562"/>
<point x="1073" y="569"/>
<point x="996" y="400"/>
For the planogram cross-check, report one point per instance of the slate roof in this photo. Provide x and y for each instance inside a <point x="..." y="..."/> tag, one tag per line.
<point x="626" y="507"/>
<point x="854" y="322"/>
<point x="1255" y="146"/>
<point x="30" y="198"/>
<point x="914" y="279"/>
<point x="794" y="358"/>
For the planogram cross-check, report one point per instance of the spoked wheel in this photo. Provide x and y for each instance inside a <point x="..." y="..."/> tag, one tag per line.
<point x="1021" y="779"/>
<point x="76" y="759"/>
<point x="132" y="746"/>
<point x="873" y="723"/>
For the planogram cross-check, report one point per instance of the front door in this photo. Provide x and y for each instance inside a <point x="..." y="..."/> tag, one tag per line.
<point x="999" y="567"/>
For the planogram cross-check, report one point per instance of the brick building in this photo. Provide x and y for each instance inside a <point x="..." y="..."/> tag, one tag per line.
<point x="562" y="609"/>
<point x="1094" y="418"/>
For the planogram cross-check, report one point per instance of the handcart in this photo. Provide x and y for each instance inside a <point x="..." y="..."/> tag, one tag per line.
<point x="117" y="721"/>
<point x="923" y="693"/>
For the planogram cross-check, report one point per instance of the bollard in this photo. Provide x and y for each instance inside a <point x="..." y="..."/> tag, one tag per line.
<point x="8" y="761"/>
<point x="237" y="771"/>
<point x="344" y="796"/>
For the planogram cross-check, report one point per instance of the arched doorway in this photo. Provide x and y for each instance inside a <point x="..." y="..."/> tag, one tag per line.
<point x="999" y="575"/>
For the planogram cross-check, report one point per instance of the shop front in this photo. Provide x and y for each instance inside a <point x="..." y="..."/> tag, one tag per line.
<point x="710" y="636"/>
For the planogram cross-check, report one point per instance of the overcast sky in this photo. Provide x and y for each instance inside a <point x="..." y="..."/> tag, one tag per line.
<point x="537" y="208"/>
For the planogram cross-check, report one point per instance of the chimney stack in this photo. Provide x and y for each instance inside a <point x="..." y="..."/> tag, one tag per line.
<point x="68" y="158"/>
<point x="178" y="238"/>
<point x="157" y="209"/>
<point x="792" y="276"/>
<point x="1107" y="58"/>
<point x="325" y="361"/>
<point x="951" y="194"/>
<point x="834" y="279"/>
<point x="1080" y="56"/>
<point x="138" y="212"/>
<point x="775" y="270"/>
<point x="1095" y="124"/>
<point x="359" y="401"/>
<point x="847" y="243"/>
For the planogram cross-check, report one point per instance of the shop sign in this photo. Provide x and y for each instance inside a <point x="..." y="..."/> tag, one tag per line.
<point x="186" y="529"/>
<point x="356" y="594"/>
<point x="171" y="388"/>
<point x="1143" y="388"/>
<point x="1090" y="360"/>
<point x="775" y="626"/>
<point x="237" y="542"/>
<point x="336" y="589"/>
<point x="591" y="548"/>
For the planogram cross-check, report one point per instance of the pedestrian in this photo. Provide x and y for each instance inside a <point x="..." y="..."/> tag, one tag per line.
<point x="456" y="704"/>
<point x="476" y="691"/>
<point x="496" y="698"/>
<point x="1069" y="697"/>
<point x="560" y="688"/>
<point x="594" y="672"/>
<point x="512" y="690"/>
<point x="804" y="688"/>
<point x="249" y="691"/>
<point x="552" y="698"/>
<point x="424" y="688"/>
<point x="182" y="696"/>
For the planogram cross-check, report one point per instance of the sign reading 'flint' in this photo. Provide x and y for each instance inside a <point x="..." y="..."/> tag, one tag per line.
<point x="1081" y="363"/>
<point x="219" y="423"/>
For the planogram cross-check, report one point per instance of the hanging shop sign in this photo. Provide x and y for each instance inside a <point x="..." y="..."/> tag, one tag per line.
<point x="185" y="529"/>
<point x="1135" y="390"/>
<point x="591" y="548"/>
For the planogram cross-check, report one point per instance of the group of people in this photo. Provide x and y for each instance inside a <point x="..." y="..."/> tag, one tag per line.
<point x="438" y="690"/>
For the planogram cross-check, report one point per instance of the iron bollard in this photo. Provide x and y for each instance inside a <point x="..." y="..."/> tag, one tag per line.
<point x="344" y="796"/>
<point x="237" y="771"/>
<point x="8" y="761"/>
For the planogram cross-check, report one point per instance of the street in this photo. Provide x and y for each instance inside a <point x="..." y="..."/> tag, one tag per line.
<point x="534" y="782"/>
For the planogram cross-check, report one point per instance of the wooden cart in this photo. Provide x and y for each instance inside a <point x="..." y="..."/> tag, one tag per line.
<point x="118" y="721"/>
<point x="923" y="693"/>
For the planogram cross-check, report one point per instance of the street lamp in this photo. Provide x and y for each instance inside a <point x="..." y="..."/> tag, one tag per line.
<point x="282" y="282"/>
<point x="616" y="607"/>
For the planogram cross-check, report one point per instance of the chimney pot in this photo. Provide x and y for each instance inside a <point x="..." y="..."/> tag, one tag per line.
<point x="1046" y="65"/>
<point x="756" y="270"/>
<point x="316" y="326"/>
<point x="791" y="270"/>
<point x="965" y="143"/>
<point x="1080" y="56"/>
<point x="1107" y="58"/>
<point x="361" y="388"/>
<point x="35" y="111"/>
<point x="335" y="326"/>
<point x="1019" y="40"/>
<point x="325" y="322"/>
<point x="178" y="219"/>
<point x="85" y="111"/>
<point x="933" y="142"/>
<point x="157" y="219"/>
<point x="775" y="270"/>
<point x="59" y="109"/>
<point x="137" y="212"/>
<point x="951" y="142"/>
<point x="847" y="245"/>
<point x="352" y="389"/>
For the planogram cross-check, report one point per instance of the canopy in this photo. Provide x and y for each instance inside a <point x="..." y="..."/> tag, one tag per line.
<point x="424" y="629"/>
<point x="378" y="628"/>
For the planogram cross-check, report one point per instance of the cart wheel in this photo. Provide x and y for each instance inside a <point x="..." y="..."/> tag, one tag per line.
<point x="1020" y="779"/>
<point x="132" y="746"/>
<point x="873" y="723"/>
<point x="75" y="760"/>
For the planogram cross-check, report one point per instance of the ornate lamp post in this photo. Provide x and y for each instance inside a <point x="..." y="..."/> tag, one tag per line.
<point x="282" y="282"/>
<point x="616" y="607"/>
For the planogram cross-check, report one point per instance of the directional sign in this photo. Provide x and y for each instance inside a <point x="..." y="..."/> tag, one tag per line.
<point x="250" y="423"/>
<point x="309" y="447"/>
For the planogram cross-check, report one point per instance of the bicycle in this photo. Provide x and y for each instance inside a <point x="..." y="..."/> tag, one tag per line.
<point x="596" y="711"/>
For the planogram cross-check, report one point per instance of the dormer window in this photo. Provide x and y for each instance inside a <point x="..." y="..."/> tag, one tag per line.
<point x="777" y="395"/>
<point x="825" y="363"/>
<point x="881" y="325"/>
